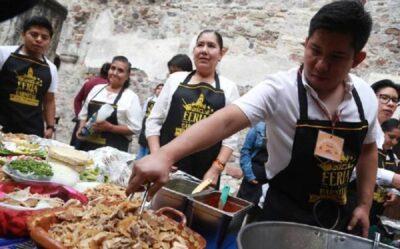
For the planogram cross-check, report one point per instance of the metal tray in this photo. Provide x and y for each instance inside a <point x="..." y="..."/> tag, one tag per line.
<point x="212" y="223"/>
<point x="174" y="194"/>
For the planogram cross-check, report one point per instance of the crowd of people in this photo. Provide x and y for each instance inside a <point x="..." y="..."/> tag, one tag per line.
<point x="321" y="150"/>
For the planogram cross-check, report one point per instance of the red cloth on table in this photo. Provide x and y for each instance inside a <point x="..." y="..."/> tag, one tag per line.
<point x="14" y="222"/>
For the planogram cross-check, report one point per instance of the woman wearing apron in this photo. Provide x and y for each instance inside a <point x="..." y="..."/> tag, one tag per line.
<point x="386" y="160"/>
<point x="387" y="94"/>
<point x="116" y="131"/>
<point x="189" y="97"/>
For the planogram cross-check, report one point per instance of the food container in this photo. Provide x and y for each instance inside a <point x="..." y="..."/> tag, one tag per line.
<point x="174" y="194"/>
<point x="39" y="225"/>
<point x="214" y="224"/>
<point x="288" y="235"/>
<point x="13" y="219"/>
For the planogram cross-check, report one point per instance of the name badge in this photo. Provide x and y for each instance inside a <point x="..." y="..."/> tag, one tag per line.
<point x="329" y="146"/>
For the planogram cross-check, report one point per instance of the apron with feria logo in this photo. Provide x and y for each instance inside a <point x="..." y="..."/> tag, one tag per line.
<point x="24" y="81"/>
<point x="190" y="104"/>
<point x="311" y="189"/>
<point x="97" y="140"/>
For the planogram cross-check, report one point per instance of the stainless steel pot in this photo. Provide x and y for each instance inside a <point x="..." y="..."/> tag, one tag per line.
<point x="288" y="235"/>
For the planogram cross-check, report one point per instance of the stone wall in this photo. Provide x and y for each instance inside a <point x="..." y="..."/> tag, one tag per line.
<point x="262" y="37"/>
<point x="10" y="30"/>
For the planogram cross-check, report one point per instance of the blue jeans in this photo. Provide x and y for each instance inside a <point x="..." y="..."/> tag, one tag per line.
<point x="142" y="151"/>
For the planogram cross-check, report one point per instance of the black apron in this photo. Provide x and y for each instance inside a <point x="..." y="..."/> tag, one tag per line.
<point x="24" y="81"/>
<point x="191" y="103"/>
<point x="249" y="191"/>
<point x="313" y="190"/>
<point x="98" y="140"/>
<point x="387" y="161"/>
<point x="142" y="136"/>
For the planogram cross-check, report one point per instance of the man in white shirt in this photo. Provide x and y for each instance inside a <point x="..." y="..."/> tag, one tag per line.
<point x="321" y="124"/>
<point x="28" y="82"/>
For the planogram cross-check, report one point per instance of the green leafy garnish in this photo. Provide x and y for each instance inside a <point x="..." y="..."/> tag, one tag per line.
<point x="29" y="166"/>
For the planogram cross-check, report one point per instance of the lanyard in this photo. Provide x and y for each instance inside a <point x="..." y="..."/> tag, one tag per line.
<point x="334" y="119"/>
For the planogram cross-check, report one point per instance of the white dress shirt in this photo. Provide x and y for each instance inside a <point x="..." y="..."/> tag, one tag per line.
<point x="275" y="101"/>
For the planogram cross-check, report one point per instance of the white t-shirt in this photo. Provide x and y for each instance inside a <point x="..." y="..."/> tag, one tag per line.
<point x="275" y="101"/>
<point x="5" y="52"/>
<point x="129" y="111"/>
<point x="160" y="110"/>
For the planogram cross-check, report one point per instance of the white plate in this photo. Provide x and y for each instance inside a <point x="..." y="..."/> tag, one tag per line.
<point x="61" y="175"/>
<point x="23" y="179"/>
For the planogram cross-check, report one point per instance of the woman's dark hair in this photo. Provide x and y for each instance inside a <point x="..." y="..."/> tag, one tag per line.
<point x="38" y="21"/>
<point x="158" y="85"/>
<point x="218" y="35"/>
<point x="181" y="61"/>
<point x="377" y="86"/>
<point x="390" y="124"/>
<point x="104" y="70"/>
<point x="345" y="16"/>
<point x="125" y="60"/>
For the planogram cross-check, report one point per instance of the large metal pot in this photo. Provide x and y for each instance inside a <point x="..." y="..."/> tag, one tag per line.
<point x="288" y="235"/>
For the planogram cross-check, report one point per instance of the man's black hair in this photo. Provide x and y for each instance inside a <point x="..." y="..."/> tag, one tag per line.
<point x="38" y="21"/>
<point x="390" y="124"/>
<point x="377" y="86"/>
<point x="181" y="61"/>
<point x="344" y="16"/>
<point x="104" y="70"/>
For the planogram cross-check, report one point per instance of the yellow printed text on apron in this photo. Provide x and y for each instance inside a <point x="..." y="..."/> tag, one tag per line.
<point x="27" y="89"/>
<point x="193" y="113"/>
<point x="334" y="180"/>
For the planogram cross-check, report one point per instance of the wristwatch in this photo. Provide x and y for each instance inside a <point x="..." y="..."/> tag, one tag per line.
<point x="51" y="127"/>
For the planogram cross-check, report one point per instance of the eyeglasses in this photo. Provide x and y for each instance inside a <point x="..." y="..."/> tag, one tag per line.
<point x="385" y="99"/>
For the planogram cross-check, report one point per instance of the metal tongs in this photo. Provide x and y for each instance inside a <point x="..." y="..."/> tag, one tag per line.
<point x="146" y="192"/>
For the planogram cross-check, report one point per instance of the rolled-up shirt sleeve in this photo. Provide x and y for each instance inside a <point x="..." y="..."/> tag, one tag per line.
<point x="384" y="177"/>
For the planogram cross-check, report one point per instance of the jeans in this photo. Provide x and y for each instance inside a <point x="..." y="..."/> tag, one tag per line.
<point x="142" y="151"/>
